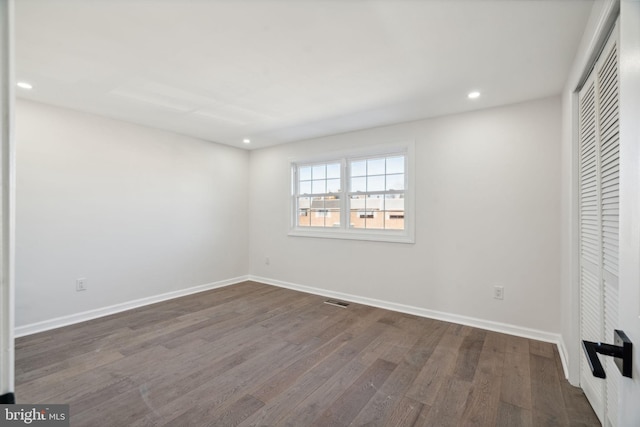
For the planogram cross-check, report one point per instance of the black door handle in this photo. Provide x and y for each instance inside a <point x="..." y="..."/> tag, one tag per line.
<point x="621" y="350"/>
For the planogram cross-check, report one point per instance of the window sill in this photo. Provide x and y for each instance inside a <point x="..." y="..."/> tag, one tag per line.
<point x="389" y="237"/>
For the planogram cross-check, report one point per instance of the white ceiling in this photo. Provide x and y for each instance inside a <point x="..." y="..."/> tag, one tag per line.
<point x="280" y="71"/>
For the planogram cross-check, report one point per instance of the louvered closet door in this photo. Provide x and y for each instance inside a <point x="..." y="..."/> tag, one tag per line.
<point x="599" y="184"/>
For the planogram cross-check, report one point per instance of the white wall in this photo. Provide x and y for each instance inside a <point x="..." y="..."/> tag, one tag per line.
<point x="488" y="212"/>
<point x="137" y="212"/>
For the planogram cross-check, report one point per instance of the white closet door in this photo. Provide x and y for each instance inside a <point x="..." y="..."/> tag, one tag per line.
<point x="591" y="322"/>
<point x="599" y="213"/>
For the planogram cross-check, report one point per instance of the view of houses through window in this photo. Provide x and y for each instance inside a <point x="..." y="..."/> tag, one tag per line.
<point x="371" y="190"/>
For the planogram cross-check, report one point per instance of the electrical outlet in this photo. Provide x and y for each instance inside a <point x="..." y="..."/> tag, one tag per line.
<point x="267" y="261"/>
<point x="498" y="292"/>
<point x="81" y="284"/>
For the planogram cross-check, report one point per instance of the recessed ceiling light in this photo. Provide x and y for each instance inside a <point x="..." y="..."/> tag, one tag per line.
<point x="24" y="85"/>
<point x="473" y="95"/>
<point x="246" y="141"/>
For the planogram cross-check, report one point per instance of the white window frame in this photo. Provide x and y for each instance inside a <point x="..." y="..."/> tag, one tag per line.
<point x="345" y="231"/>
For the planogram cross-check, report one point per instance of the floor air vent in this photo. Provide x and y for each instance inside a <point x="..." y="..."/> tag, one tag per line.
<point x="337" y="303"/>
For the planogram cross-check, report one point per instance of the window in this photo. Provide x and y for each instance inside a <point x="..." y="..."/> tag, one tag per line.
<point x="318" y="191"/>
<point x="355" y="196"/>
<point x="376" y="185"/>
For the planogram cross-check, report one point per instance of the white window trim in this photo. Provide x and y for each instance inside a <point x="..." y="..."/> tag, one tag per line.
<point x="396" y="236"/>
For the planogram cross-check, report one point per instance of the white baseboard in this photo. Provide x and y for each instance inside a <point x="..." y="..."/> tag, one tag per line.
<point x="417" y="311"/>
<point x="564" y="356"/>
<point x="431" y="314"/>
<point x="71" y="319"/>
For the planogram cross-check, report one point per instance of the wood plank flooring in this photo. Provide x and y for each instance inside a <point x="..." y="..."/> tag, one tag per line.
<point x="256" y="355"/>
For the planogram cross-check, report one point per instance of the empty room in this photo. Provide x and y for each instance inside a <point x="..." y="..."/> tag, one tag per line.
<point x="320" y="212"/>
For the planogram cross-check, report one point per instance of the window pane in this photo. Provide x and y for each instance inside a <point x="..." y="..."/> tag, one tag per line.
<point x="375" y="203"/>
<point x="394" y="205"/>
<point x="319" y="186"/>
<point x="359" y="168"/>
<point x="394" y="202"/>
<point x="319" y="172"/>
<point x="333" y="185"/>
<point x="332" y="205"/>
<point x="367" y="212"/>
<point x="375" y="183"/>
<point x="325" y="212"/>
<point x="304" y="204"/>
<point x="395" y="165"/>
<point x="317" y="218"/>
<point x="305" y="173"/>
<point x="375" y="221"/>
<point x="374" y="214"/>
<point x="394" y="221"/>
<point x="333" y="170"/>
<point x="304" y="219"/>
<point x="317" y="212"/>
<point x="395" y="182"/>
<point x="358" y="184"/>
<point x="356" y="204"/>
<point x="305" y="187"/>
<point x="375" y="167"/>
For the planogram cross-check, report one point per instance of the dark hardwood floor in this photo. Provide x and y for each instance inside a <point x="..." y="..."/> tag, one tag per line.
<point x="252" y="354"/>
